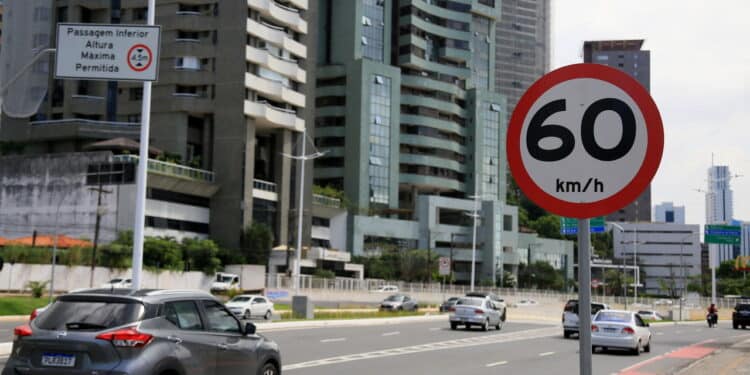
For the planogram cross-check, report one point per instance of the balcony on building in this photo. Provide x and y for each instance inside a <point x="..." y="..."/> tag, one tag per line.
<point x="284" y="14"/>
<point x="175" y="177"/>
<point x="269" y="116"/>
<point x="265" y="190"/>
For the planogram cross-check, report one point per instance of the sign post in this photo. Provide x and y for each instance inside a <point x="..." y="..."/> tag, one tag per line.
<point x="445" y="266"/>
<point x="117" y="53"/>
<point x="723" y="235"/>
<point x="584" y="140"/>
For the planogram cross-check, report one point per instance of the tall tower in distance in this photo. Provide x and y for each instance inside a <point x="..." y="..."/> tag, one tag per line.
<point x="719" y="207"/>
<point x="628" y="56"/>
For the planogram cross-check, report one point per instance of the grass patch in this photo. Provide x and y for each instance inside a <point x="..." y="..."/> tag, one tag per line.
<point x="20" y="305"/>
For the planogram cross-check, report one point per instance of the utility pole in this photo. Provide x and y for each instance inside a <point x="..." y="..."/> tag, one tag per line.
<point x="99" y="190"/>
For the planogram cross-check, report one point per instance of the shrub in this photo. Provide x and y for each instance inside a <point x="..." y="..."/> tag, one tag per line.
<point x="37" y="288"/>
<point x="202" y="255"/>
<point x="325" y="274"/>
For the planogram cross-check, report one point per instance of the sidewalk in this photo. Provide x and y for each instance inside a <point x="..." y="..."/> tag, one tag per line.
<point x="731" y="360"/>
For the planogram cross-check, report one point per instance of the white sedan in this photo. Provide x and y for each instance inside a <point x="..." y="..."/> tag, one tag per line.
<point x="248" y="306"/>
<point x="615" y="329"/>
<point x="119" y="282"/>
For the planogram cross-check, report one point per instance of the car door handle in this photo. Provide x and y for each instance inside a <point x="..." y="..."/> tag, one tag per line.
<point x="174" y="339"/>
<point x="223" y="346"/>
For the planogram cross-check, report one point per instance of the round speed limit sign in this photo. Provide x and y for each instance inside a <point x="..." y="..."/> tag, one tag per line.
<point x="584" y="140"/>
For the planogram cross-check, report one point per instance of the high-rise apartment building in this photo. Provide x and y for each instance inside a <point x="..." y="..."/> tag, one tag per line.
<point x="667" y="212"/>
<point x="720" y="207"/>
<point x="230" y="98"/>
<point x="405" y="102"/>
<point x="523" y="39"/>
<point x="628" y="56"/>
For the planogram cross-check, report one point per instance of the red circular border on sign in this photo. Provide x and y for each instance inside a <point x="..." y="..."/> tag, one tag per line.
<point x="631" y="191"/>
<point x="150" y="54"/>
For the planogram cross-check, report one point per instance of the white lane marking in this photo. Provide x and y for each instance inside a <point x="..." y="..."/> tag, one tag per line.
<point x="498" y="338"/>
<point x="496" y="364"/>
<point x="338" y="339"/>
<point x="546" y="354"/>
<point x="436" y="329"/>
<point x="392" y="333"/>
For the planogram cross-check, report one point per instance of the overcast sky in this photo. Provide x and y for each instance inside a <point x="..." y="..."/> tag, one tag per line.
<point x="700" y="80"/>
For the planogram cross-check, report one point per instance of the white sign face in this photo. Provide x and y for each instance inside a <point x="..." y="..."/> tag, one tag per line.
<point x="107" y="52"/>
<point x="445" y="266"/>
<point x="584" y="141"/>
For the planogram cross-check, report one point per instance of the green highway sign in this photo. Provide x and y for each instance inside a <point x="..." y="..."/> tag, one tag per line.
<point x="570" y="225"/>
<point x="722" y="234"/>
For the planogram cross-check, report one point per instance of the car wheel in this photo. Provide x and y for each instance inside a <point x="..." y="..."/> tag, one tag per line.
<point x="486" y="325"/>
<point x="566" y="334"/>
<point x="743" y="327"/>
<point x="637" y="350"/>
<point x="247" y="315"/>
<point x="503" y="317"/>
<point x="735" y="326"/>
<point x="594" y="349"/>
<point x="454" y="326"/>
<point x="269" y="369"/>
<point x="499" y="325"/>
<point x="647" y="348"/>
<point x="268" y="315"/>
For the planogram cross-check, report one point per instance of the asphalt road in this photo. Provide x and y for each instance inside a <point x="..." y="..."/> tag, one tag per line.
<point x="519" y="348"/>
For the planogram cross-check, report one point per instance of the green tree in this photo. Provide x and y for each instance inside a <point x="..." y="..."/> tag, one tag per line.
<point x="540" y="275"/>
<point x="256" y="243"/>
<point x="37" y="288"/>
<point x="415" y="265"/>
<point x="616" y="280"/>
<point x="726" y="270"/>
<point x="325" y="274"/>
<point x="162" y="252"/>
<point x="202" y="255"/>
<point x="509" y="280"/>
<point x="117" y="254"/>
<point x="547" y="226"/>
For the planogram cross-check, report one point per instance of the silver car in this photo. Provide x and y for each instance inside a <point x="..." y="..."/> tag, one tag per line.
<point x="474" y="311"/>
<point x="140" y="332"/>
<point x="615" y="329"/>
<point x="399" y="302"/>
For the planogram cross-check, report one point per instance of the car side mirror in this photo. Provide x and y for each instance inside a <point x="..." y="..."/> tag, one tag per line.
<point x="249" y="328"/>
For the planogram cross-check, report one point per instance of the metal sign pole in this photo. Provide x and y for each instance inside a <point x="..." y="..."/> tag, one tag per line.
<point x="142" y="173"/>
<point x="584" y="297"/>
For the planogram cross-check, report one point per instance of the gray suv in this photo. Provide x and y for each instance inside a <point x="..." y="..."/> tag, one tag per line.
<point x="159" y="332"/>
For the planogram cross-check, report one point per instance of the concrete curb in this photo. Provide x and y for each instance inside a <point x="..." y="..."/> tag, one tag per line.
<point x="267" y="327"/>
<point x="14" y="318"/>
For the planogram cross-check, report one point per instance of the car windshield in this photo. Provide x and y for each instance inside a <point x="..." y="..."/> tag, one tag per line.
<point x="613" y="316"/>
<point x="743" y="307"/>
<point x="470" y="301"/>
<point x="223" y="279"/>
<point x="240" y="299"/>
<point x="114" y="281"/>
<point x="394" y="298"/>
<point x="645" y="312"/>
<point x="453" y="299"/>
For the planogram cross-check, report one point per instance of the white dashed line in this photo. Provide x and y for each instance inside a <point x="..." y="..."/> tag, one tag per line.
<point x="546" y="354"/>
<point x="496" y="364"/>
<point x="392" y="333"/>
<point x="435" y="329"/>
<point x="334" y="340"/>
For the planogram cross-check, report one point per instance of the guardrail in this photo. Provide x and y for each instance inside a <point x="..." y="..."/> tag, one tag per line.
<point x="169" y="169"/>
<point x="264" y="185"/>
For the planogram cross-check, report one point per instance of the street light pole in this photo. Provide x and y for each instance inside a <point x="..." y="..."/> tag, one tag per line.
<point x="474" y="237"/>
<point x="625" y="284"/>
<point x="682" y="271"/>
<point x="302" y="157"/>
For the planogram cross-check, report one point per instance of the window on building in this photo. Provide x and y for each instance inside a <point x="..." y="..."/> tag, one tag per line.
<point x="508" y="223"/>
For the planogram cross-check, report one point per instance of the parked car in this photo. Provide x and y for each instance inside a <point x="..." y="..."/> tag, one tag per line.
<point x="225" y="281"/>
<point x="387" y="289"/>
<point x="476" y="311"/>
<point x="663" y="302"/>
<point x="497" y="301"/>
<point x="248" y="306"/>
<point x="741" y="316"/>
<point x="570" y="316"/>
<point x="399" y="302"/>
<point x="140" y="332"/>
<point x="447" y="304"/>
<point x="119" y="282"/>
<point x="615" y="329"/>
<point x="650" y="315"/>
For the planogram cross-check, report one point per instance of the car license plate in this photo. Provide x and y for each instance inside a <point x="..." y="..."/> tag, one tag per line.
<point x="58" y="360"/>
<point x="610" y="330"/>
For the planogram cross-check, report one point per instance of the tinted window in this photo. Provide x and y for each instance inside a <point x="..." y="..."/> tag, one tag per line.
<point x="184" y="315"/>
<point x="394" y="298"/>
<point x="644" y="312"/>
<point x="219" y="319"/>
<point x="595" y="308"/>
<point x="743" y="307"/>
<point x="470" y="302"/>
<point x="240" y="299"/>
<point x="89" y="315"/>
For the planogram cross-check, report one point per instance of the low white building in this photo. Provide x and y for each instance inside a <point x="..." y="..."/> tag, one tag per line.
<point x="667" y="212"/>
<point x="663" y="252"/>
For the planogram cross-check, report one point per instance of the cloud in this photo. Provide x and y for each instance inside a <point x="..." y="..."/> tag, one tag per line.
<point x="700" y="79"/>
